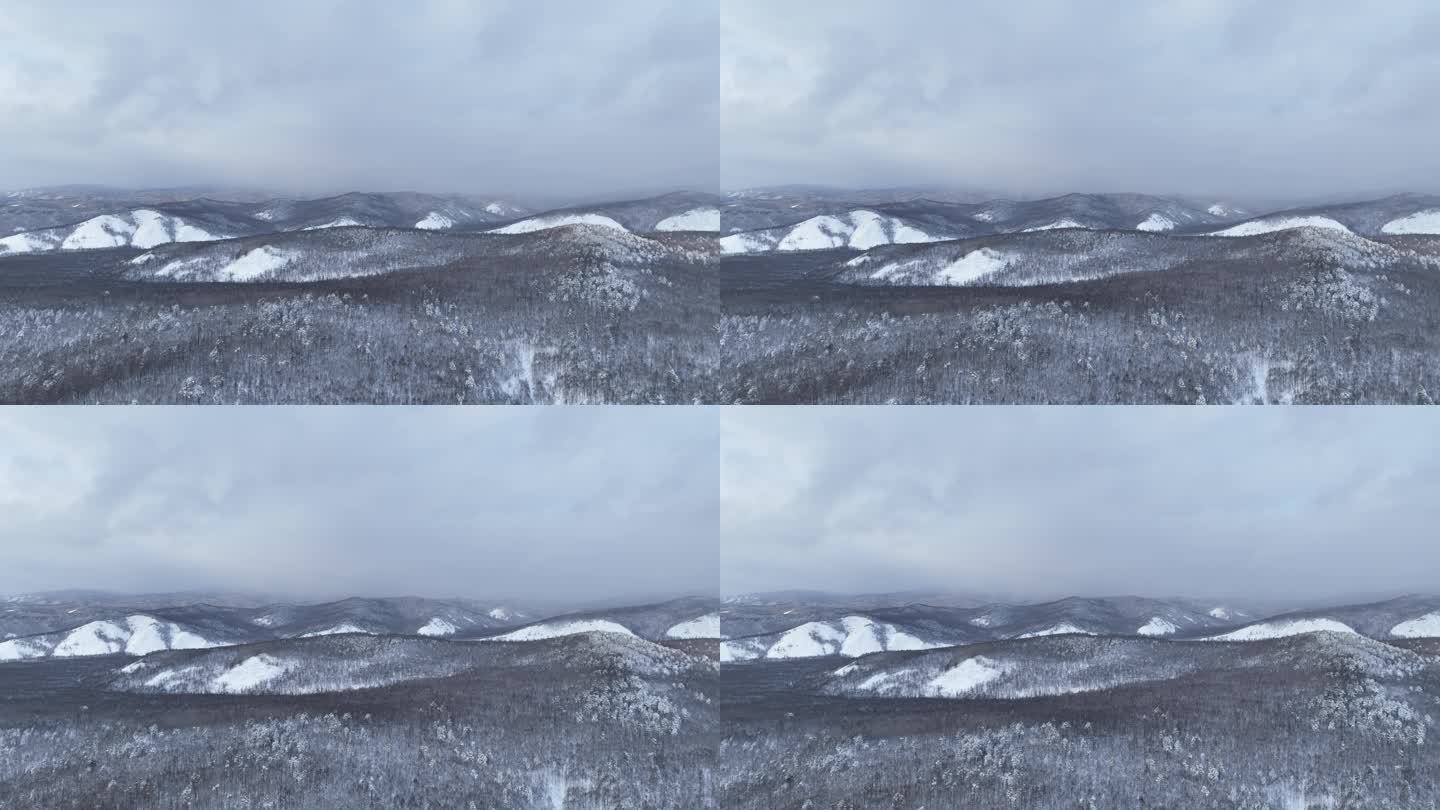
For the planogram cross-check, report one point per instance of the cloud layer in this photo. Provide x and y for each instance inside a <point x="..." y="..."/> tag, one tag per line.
<point x="552" y="505"/>
<point x="498" y="96"/>
<point x="1267" y="100"/>
<point x="1047" y="502"/>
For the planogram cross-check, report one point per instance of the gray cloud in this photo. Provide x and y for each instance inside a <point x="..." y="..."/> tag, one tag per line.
<point x="559" y="97"/>
<point x="1047" y="502"/>
<point x="562" y="504"/>
<point x="1283" y="98"/>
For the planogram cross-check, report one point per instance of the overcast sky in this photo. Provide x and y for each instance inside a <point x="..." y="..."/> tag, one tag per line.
<point x="1247" y="98"/>
<point x="1041" y="502"/>
<point x="485" y="96"/>
<point x="517" y="503"/>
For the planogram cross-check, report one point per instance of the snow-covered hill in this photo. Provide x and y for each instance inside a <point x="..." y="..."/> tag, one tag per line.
<point x="137" y="634"/>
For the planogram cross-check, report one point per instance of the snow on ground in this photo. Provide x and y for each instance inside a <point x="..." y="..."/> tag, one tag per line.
<point x="1283" y="628"/>
<point x="1156" y="627"/>
<point x="869" y="230"/>
<point x="435" y="221"/>
<point x="501" y="614"/>
<point x="557" y="221"/>
<point x="256" y="263"/>
<point x="744" y="243"/>
<point x="1259" y="226"/>
<point x="707" y="626"/>
<point x="104" y="231"/>
<point x="249" y="674"/>
<point x="342" y="222"/>
<point x="142" y="258"/>
<point x="24" y="243"/>
<point x="1427" y="626"/>
<point x="965" y="677"/>
<point x="853" y="637"/>
<point x="903" y="234"/>
<point x="1055" y="226"/>
<point x="1061" y="629"/>
<point x="809" y="640"/>
<point x="437" y="627"/>
<point x="1219" y="613"/>
<point x="150" y="229"/>
<point x="336" y="630"/>
<point x="95" y="638"/>
<point x="817" y="233"/>
<point x="972" y="266"/>
<point x="498" y="209"/>
<point x="146" y="635"/>
<point x="19" y="649"/>
<point x="536" y="632"/>
<point x="1219" y="210"/>
<point x="1156" y="222"/>
<point x="696" y="219"/>
<point x="1418" y="222"/>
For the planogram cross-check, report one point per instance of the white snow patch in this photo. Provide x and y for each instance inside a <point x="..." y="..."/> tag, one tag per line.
<point x="20" y="649"/>
<point x="142" y="258"/>
<point x="902" y="234"/>
<point x="696" y="219"/>
<point x="256" y="263"/>
<point x="1064" y="628"/>
<point x="151" y="228"/>
<point x="338" y="629"/>
<point x="858" y="260"/>
<point x="1219" y="210"/>
<point x="132" y="668"/>
<point x="972" y="266"/>
<point x="845" y="670"/>
<point x="95" y="638"/>
<point x="1156" y="627"/>
<point x="1259" y="226"/>
<point x="1219" y="613"/>
<point x="559" y="220"/>
<point x="862" y="637"/>
<point x="342" y="222"/>
<point x="1156" y="222"/>
<point x="1427" y="222"/>
<point x="965" y="677"/>
<point x="743" y="243"/>
<point x="1055" y="226"/>
<point x="707" y="626"/>
<point x="249" y="674"/>
<point x="437" y="627"/>
<point x="104" y="231"/>
<point x="817" y="233"/>
<point x="500" y="614"/>
<point x="435" y="221"/>
<point x="1282" y="629"/>
<point x="809" y="640"/>
<point x="1427" y="626"/>
<point x="536" y="632"/>
<point x="23" y="243"/>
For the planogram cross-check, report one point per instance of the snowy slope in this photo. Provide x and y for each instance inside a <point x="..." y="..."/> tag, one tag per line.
<point x="544" y="630"/>
<point x="1259" y="226"/>
<point x="1282" y="628"/>
<point x="859" y="229"/>
<point x="557" y="221"/>
<point x="137" y="634"/>
<point x="1427" y="626"/>
<point x="435" y="221"/>
<point x="696" y="219"/>
<point x="142" y="228"/>
<point x="851" y="636"/>
<point x="1421" y="222"/>
<point x="707" y="626"/>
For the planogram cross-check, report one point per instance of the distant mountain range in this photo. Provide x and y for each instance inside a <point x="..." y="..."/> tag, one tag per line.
<point x="79" y="624"/>
<point x="781" y="628"/>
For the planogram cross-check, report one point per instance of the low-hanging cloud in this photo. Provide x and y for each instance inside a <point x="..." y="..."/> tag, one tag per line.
<point x="563" y="97"/>
<point x="537" y="505"/>
<point x="1275" y="99"/>
<point x="1048" y="502"/>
